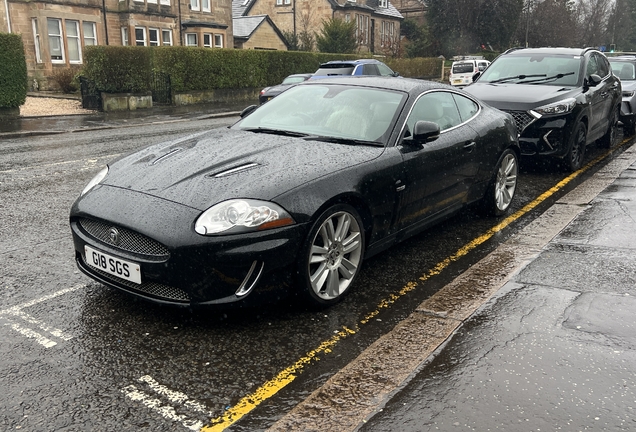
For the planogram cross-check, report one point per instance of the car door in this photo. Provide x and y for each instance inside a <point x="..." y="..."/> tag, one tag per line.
<point x="600" y="96"/>
<point x="436" y="175"/>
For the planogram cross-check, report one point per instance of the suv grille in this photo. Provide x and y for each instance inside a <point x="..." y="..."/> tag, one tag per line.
<point x="155" y="289"/>
<point x="128" y="240"/>
<point x="522" y="119"/>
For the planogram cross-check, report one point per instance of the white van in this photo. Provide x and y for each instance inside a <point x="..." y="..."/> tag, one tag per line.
<point x="462" y="71"/>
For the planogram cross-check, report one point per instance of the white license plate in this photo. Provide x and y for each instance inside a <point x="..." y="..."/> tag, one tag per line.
<point x="115" y="266"/>
<point x="457" y="81"/>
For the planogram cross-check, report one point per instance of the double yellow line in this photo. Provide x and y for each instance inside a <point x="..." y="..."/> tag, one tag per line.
<point x="286" y="376"/>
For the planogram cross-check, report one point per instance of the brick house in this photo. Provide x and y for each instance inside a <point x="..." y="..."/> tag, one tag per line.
<point x="378" y="21"/>
<point x="255" y="32"/>
<point x="55" y="32"/>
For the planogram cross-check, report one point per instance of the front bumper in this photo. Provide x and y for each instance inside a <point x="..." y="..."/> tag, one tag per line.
<point x="627" y="110"/>
<point x="547" y="136"/>
<point x="178" y="266"/>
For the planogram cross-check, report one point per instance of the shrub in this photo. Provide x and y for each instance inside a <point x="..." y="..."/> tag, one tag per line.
<point x="117" y="69"/>
<point x="13" y="71"/>
<point x="419" y="67"/>
<point x="67" y="79"/>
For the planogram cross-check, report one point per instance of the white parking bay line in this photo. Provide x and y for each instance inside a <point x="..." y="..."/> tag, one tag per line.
<point x="16" y="312"/>
<point x="166" y="411"/>
<point x="175" y="396"/>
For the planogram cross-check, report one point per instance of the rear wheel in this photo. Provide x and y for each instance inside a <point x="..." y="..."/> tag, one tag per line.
<point x="332" y="255"/>
<point x="574" y="159"/>
<point x="608" y="140"/>
<point x="503" y="185"/>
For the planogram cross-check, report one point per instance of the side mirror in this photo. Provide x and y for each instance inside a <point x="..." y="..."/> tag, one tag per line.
<point x="395" y="74"/>
<point x="594" y="80"/>
<point x="425" y="131"/>
<point x="476" y="75"/>
<point x="247" y="111"/>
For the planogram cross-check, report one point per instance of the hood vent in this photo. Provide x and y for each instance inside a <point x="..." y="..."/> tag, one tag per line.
<point x="235" y="170"/>
<point x="167" y="155"/>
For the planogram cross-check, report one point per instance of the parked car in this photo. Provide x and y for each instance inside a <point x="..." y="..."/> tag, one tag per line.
<point x="353" y="67"/>
<point x="269" y="92"/>
<point x="624" y="67"/>
<point x="562" y="99"/>
<point x="462" y="72"/>
<point x="305" y="186"/>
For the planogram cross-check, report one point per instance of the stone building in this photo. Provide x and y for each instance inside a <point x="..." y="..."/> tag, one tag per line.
<point x="56" y="32"/>
<point x="414" y="9"/>
<point x="256" y="31"/>
<point x="378" y="21"/>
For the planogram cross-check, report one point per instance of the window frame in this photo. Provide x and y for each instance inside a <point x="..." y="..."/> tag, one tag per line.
<point x="60" y="37"/>
<point x="209" y="37"/>
<point x="150" y="41"/>
<point x="207" y="8"/>
<point x="145" y="39"/>
<point x="163" y="40"/>
<point x="193" y="3"/>
<point x="84" y="38"/>
<point x="196" y="39"/>
<point x="37" y="40"/>
<point x="218" y="36"/>
<point x="164" y="2"/>
<point x="125" y="40"/>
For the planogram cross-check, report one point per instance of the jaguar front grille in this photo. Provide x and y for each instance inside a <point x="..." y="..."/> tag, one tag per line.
<point x="124" y="239"/>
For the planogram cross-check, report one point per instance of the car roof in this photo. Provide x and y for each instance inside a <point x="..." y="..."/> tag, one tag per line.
<point x="386" y="82"/>
<point x="359" y="61"/>
<point x="623" y="58"/>
<point x="549" y="50"/>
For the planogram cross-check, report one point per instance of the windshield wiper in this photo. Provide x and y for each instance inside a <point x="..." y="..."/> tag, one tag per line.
<point x="553" y="77"/>
<point x="341" y="140"/>
<point x="276" y="132"/>
<point x="521" y="77"/>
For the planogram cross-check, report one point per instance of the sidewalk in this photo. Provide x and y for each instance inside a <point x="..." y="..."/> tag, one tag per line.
<point x="95" y="120"/>
<point x="538" y="336"/>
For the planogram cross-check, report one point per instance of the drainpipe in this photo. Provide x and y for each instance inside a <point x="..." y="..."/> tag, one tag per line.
<point x="179" y="30"/>
<point x="6" y="8"/>
<point x="294" y="16"/>
<point x="105" y="20"/>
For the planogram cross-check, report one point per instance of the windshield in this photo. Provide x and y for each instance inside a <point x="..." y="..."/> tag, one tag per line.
<point x="339" y="111"/>
<point x="623" y="70"/>
<point x="558" y="70"/>
<point x="462" y="68"/>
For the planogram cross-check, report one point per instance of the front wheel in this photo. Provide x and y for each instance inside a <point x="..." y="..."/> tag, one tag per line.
<point x="573" y="161"/>
<point x="503" y="185"/>
<point x="332" y="255"/>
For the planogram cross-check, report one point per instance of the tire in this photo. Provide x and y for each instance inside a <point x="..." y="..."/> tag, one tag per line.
<point x="629" y="127"/>
<point x="608" y="140"/>
<point x="332" y="255"/>
<point x="503" y="185"/>
<point x="573" y="161"/>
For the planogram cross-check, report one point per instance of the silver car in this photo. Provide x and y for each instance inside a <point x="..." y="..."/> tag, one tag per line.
<point x="624" y="67"/>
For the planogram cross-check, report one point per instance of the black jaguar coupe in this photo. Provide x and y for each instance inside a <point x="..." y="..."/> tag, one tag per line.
<point x="295" y="194"/>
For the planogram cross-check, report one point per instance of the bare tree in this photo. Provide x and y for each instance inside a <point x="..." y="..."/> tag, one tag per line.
<point x="592" y="21"/>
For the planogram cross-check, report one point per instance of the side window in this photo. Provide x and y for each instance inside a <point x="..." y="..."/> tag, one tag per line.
<point x="384" y="70"/>
<point x="592" y="66"/>
<point x="467" y="108"/>
<point x="603" y="66"/>
<point x="436" y="107"/>
<point x="370" y="69"/>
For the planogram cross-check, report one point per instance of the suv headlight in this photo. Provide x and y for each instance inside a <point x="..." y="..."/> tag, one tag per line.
<point x="628" y="93"/>
<point x="557" y="108"/>
<point x="241" y="215"/>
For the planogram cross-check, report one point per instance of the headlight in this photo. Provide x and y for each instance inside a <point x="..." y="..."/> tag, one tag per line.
<point x="96" y="180"/>
<point x="628" y="94"/>
<point x="556" y="108"/>
<point x="241" y="215"/>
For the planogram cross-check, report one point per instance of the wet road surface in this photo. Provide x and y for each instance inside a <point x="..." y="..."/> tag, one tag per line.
<point x="79" y="356"/>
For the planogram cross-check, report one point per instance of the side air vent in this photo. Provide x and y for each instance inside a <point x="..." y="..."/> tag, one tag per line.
<point x="235" y="170"/>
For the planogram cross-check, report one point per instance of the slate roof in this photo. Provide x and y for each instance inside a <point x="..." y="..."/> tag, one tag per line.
<point x="239" y="7"/>
<point x="244" y="26"/>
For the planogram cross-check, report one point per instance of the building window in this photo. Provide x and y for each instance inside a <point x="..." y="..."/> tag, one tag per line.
<point x="191" y="39"/>
<point x="280" y="2"/>
<point x="54" y="27"/>
<point x="73" y="42"/>
<point x="347" y="17"/>
<point x="124" y="36"/>
<point x="90" y="35"/>
<point x="165" y="2"/>
<point x="153" y="37"/>
<point x="218" y="41"/>
<point x="194" y="5"/>
<point x="384" y="3"/>
<point x="36" y="40"/>
<point x="166" y="36"/>
<point x="152" y="1"/>
<point x="362" y="31"/>
<point x="140" y="36"/>
<point x="205" y="5"/>
<point x="207" y="40"/>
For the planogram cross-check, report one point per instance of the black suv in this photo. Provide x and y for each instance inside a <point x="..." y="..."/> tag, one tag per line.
<point x="561" y="99"/>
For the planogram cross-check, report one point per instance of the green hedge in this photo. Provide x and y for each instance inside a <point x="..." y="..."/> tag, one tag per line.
<point x="127" y="69"/>
<point x="13" y="71"/>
